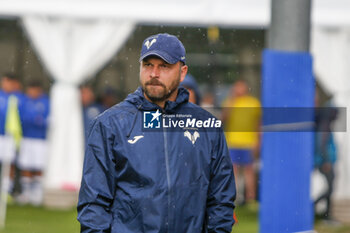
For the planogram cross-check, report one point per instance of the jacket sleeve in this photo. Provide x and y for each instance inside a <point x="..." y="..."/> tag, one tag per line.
<point x="98" y="181"/>
<point x="222" y="190"/>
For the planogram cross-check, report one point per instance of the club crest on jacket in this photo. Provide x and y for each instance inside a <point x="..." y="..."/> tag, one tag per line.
<point x="192" y="137"/>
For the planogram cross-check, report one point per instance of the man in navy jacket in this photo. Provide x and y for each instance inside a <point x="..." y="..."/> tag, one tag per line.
<point x="155" y="162"/>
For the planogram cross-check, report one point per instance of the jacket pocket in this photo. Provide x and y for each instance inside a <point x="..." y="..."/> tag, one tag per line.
<point x="127" y="210"/>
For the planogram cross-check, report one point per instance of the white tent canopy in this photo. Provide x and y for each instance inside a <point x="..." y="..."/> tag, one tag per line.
<point x="330" y="20"/>
<point x="245" y="13"/>
<point x="226" y="12"/>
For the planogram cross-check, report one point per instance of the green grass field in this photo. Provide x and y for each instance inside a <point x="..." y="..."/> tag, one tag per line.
<point x="27" y="219"/>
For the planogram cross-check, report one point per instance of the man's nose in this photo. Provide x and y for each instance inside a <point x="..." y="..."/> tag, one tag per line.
<point x="155" y="72"/>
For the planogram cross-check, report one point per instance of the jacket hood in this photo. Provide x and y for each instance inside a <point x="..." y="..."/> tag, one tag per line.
<point x="139" y="101"/>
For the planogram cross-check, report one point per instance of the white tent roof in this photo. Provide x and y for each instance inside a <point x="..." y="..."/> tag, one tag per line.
<point x="247" y="13"/>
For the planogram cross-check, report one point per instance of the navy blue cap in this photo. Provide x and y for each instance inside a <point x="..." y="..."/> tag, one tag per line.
<point x="166" y="46"/>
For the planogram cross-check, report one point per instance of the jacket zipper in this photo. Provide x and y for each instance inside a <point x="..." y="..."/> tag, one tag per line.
<point x="166" y="153"/>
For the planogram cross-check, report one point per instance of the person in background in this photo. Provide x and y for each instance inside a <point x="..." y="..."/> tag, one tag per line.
<point x="325" y="152"/>
<point x="91" y="109"/>
<point x="192" y="87"/>
<point x="241" y="116"/>
<point x="109" y="97"/>
<point x="33" y="150"/>
<point x="11" y="99"/>
<point x="15" y="174"/>
<point x="208" y="103"/>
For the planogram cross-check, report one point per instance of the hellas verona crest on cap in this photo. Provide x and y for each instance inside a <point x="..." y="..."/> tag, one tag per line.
<point x="148" y="44"/>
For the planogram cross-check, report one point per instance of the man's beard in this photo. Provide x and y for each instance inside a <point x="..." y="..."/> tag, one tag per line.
<point x="161" y="95"/>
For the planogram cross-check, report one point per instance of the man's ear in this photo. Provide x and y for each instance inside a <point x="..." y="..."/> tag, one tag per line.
<point x="183" y="72"/>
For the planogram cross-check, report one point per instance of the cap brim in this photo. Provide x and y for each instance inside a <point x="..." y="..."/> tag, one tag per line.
<point x="161" y="55"/>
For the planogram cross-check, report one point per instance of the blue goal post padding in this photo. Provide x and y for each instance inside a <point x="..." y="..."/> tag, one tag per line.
<point x="287" y="157"/>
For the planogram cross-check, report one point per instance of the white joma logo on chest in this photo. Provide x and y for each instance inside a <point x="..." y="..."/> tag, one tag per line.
<point x="135" y="139"/>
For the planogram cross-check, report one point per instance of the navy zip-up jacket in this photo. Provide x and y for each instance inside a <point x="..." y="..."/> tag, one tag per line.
<point x="138" y="180"/>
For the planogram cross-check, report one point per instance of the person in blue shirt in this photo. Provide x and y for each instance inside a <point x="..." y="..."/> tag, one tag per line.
<point x="33" y="150"/>
<point x="141" y="177"/>
<point x="325" y="153"/>
<point x="11" y="99"/>
<point x="193" y="89"/>
<point x="91" y="109"/>
<point x="9" y="137"/>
